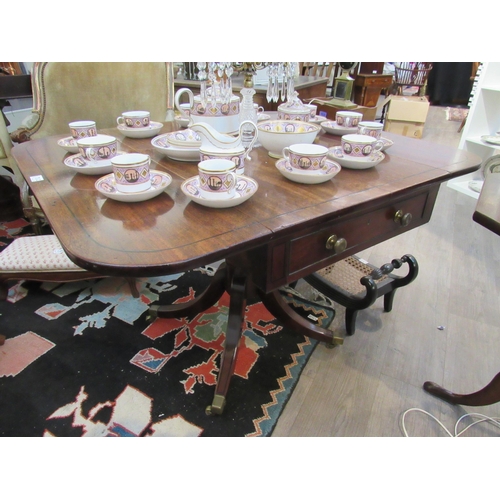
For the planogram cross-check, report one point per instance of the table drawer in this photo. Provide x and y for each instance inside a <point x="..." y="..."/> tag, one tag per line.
<point x="303" y="253"/>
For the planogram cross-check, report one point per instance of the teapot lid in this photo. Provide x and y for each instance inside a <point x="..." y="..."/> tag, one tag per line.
<point x="294" y="104"/>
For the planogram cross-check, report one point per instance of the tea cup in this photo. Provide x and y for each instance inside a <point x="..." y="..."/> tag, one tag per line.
<point x="313" y="109"/>
<point x="373" y="129"/>
<point x="131" y="172"/>
<point x="348" y="119"/>
<point x="217" y="178"/>
<point x="82" y="128"/>
<point x="357" y="145"/>
<point x="98" y="148"/>
<point x="134" y="119"/>
<point x="305" y="156"/>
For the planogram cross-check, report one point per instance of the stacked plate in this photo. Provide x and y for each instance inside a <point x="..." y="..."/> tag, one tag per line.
<point x="181" y="145"/>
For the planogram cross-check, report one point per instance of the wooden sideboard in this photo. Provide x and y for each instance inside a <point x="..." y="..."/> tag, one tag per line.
<point x="367" y="88"/>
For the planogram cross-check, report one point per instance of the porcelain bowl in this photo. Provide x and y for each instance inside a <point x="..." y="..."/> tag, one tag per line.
<point x="274" y="135"/>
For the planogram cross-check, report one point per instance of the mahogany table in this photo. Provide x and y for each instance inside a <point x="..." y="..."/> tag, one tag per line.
<point x="274" y="238"/>
<point x="487" y="213"/>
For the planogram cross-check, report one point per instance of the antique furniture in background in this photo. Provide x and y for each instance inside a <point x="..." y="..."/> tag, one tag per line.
<point x="368" y="87"/>
<point x="67" y="91"/>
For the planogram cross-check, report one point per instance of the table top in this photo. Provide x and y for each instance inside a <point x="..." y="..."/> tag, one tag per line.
<point x="487" y="212"/>
<point x="171" y="233"/>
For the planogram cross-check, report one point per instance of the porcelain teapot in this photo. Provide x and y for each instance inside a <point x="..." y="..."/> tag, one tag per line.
<point x="223" y="116"/>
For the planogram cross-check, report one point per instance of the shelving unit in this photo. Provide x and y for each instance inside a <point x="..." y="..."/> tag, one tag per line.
<point x="483" y="119"/>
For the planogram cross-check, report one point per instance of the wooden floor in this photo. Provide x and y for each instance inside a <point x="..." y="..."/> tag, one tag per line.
<point x="444" y="327"/>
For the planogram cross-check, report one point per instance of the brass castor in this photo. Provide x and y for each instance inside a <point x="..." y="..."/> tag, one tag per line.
<point x="217" y="406"/>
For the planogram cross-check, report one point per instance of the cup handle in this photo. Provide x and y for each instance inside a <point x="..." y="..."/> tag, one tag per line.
<point x="234" y="180"/>
<point x="255" y="134"/>
<point x="120" y="120"/>
<point x="177" y="100"/>
<point x="377" y="146"/>
<point x="286" y="153"/>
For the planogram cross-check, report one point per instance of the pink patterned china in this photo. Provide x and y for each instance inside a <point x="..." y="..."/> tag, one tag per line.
<point x="222" y="116"/>
<point x="305" y="156"/>
<point x="329" y="170"/>
<point x="275" y="135"/>
<point x="134" y="119"/>
<point x="294" y="109"/>
<point x="237" y="157"/>
<point x="131" y="172"/>
<point x="80" y="164"/>
<point x="348" y="119"/>
<point x="356" y="162"/>
<point x="217" y="178"/>
<point x="373" y="129"/>
<point x="245" y="189"/>
<point x="187" y="138"/>
<point x="161" y="145"/>
<point x="69" y="144"/>
<point x="360" y="145"/>
<point x="83" y="128"/>
<point x="331" y="127"/>
<point x="142" y="132"/>
<point x="159" y="182"/>
<point x="97" y="148"/>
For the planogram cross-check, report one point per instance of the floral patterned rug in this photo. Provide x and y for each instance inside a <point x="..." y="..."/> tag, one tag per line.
<point x="85" y="359"/>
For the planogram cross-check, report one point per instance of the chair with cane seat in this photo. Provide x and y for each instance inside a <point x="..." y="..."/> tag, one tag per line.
<point x="41" y="258"/>
<point x="356" y="284"/>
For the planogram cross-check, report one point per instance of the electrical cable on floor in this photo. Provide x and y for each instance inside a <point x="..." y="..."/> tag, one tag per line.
<point x="482" y="418"/>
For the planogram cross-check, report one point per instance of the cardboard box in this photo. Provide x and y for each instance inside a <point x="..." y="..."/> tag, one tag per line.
<point x="405" y="115"/>
<point x="325" y="109"/>
<point x="409" y="129"/>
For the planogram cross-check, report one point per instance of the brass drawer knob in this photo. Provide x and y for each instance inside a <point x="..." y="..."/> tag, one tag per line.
<point x="336" y="244"/>
<point x="402" y="218"/>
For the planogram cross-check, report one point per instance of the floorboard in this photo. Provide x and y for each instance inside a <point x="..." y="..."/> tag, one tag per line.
<point x="444" y="327"/>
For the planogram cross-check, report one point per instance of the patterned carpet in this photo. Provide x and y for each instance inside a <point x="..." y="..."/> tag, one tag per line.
<point x="84" y="359"/>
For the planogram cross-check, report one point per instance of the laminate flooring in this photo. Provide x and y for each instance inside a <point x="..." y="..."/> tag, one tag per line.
<point x="444" y="327"/>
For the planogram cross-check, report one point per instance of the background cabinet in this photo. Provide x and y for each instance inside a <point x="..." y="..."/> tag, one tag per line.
<point x="483" y="119"/>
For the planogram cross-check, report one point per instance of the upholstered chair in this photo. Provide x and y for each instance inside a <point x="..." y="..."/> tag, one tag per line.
<point x="100" y="91"/>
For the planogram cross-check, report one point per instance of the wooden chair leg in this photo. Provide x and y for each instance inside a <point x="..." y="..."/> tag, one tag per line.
<point x="2" y="339"/>
<point x="350" y="321"/>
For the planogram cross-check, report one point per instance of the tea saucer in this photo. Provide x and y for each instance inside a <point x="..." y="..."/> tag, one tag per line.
<point x="387" y="143"/>
<point x="69" y="144"/>
<point x="491" y="139"/>
<point x="318" y="119"/>
<point x="141" y="133"/>
<point x="80" y="164"/>
<point x="356" y="162"/>
<point x="159" y="182"/>
<point x="245" y="189"/>
<point x="161" y="144"/>
<point x="327" y="172"/>
<point x="263" y="116"/>
<point x="332" y="128"/>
